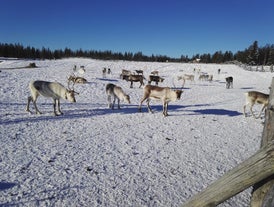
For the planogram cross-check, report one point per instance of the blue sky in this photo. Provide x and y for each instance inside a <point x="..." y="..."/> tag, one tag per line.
<point x="172" y="28"/>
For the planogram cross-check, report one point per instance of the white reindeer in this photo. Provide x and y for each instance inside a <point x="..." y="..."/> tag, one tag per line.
<point x="52" y="90"/>
<point x="186" y="77"/>
<point x="117" y="93"/>
<point x="80" y="71"/>
<point x="253" y="97"/>
<point x="165" y="94"/>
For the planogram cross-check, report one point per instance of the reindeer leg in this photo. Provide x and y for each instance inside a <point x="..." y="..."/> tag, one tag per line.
<point x="148" y="106"/>
<point x="29" y="100"/>
<point x="165" y="109"/>
<point x="244" y="110"/>
<point x="114" y="99"/>
<point x="58" y="106"/>
<point x="118" y="100"/>
<point x="109" y="100"/>
<point x="54" y="107"/>
<point x="141" y="102"/>
<point x="261" y="111"/>
<point x="35" y="106"/>
<point x="252" y="111"/>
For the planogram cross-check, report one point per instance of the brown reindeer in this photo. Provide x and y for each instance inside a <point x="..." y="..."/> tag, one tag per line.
<point x="164" y="94"/>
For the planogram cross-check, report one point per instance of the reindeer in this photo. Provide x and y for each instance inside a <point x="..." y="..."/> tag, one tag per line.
<point x="155" y="78"/>
<point x="104" y="72"/>
<point x="139" y="72"/>
<point x="155" y="72"/>
<point x="186" y="77"/>
<point x="117" y="93"/>
<point x="125" y="73"/>
<point x="210" y="78"/>
<point x="81" y="70"/>
<point x="203" y="77"/>
<point x="109" y="71"/>
<point x="165" y="94"/>
<point x="229" y="82"/>
<point x="76" y="79"/>
<point x="133" y="78"/>
<point x="219" y="71"/>
<point x="253" y="97"/>
<point x="52" y="90"/>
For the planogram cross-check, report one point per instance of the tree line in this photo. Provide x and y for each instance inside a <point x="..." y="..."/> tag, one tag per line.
<point x="253" y="55"/>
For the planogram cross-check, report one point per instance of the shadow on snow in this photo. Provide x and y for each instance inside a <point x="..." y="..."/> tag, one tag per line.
<point x="221" y="112"/>
<point x="88" y="111"/>
<point x="6" y="185"/>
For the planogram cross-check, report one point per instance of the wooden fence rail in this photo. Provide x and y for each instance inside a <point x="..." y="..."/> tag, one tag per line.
<point x="257" y="171"/>
<point x="263" y="191"/>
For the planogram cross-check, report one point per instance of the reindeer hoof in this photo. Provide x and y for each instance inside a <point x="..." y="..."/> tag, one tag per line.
<point x="29" y="111"/>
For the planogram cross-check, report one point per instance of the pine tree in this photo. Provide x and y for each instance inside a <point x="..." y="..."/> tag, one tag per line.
<point x="253" y="54"/>
<point x="270" y="60"/>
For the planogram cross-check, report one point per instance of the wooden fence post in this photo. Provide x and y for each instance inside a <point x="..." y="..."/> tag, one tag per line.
<point x="263" y="192"/>
<point x="249" y="172"/>
<point x="257" y="171"/>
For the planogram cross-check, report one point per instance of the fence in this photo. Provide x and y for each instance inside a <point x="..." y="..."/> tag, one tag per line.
<point x="257" y="171"/>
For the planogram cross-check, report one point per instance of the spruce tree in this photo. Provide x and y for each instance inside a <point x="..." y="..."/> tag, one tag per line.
<point x="253" y="54"/>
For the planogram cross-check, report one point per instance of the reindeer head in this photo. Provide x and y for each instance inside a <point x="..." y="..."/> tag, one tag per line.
<point x="179" y="93"/>
<point x="70" y="94"/>
<point x="127" y="99"/>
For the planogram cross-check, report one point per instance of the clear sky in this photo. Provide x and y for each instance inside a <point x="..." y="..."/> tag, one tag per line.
<point x="171" y="27"/>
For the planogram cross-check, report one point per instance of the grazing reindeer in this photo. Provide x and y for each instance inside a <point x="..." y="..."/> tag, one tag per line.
<point x="155" y="78"/>
<point x="253" y="97"/>
<point x="53" y="90"/>
<point x="165" y="94"/>
<point x="76" y="79"/>
<point x="229" y="82"/>
<point x="117" y="93"/>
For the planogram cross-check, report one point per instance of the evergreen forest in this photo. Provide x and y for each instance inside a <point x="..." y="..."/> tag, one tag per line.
<point x="252" y="55"/>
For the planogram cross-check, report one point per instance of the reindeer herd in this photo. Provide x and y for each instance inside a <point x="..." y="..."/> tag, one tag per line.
<point x="57" y="91"/>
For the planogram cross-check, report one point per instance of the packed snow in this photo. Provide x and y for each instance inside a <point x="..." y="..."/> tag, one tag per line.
<point x="95" y="156"/>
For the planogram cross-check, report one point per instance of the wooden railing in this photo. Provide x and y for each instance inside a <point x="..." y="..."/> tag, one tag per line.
<point x="257" y="171"/>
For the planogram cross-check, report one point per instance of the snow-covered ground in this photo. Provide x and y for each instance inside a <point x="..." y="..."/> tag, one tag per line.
<point x="95" y="156"/>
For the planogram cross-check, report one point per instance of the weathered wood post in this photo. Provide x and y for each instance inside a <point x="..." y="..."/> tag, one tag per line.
<point x="257" y="171"/>
<point x="263" y="192"/>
